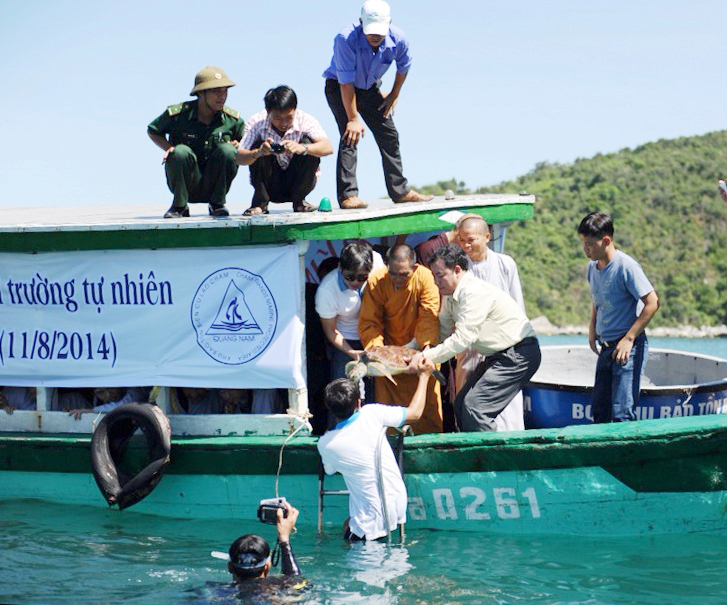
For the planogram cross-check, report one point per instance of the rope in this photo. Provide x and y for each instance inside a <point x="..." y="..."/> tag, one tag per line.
<point x="690" y="393"/>
<point x="303" y="418"/>
<point x="96" y="420"/>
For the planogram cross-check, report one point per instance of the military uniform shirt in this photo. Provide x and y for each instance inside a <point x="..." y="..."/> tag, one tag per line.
<point x="181" y="124"/>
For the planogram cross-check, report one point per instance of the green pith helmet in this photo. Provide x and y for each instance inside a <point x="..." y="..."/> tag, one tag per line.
<point x="210" y="77"/>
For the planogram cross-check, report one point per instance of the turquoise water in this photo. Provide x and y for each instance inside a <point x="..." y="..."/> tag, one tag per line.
<point x="56" y="554"/>
<point x="59" y="555"/>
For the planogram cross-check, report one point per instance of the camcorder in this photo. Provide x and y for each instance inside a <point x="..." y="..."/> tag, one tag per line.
<point x="267" y="512"/>
<point x="277" y="147"/>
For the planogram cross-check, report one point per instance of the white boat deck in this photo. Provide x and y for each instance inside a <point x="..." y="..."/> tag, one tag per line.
<point x="136" y="217"/>
<point x="574" y="366"/>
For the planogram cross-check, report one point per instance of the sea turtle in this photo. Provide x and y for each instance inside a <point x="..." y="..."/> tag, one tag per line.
<point x="386" y="361"/>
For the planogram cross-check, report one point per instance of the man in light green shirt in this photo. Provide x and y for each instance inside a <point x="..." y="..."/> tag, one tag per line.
<point x="479" y="315"/>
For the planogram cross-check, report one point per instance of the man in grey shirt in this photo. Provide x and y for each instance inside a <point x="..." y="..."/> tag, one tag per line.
<point x="624" y="301"/>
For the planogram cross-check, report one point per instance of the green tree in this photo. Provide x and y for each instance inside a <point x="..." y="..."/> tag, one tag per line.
<point x="667" y="215"/>
<point x="441" y="187"/>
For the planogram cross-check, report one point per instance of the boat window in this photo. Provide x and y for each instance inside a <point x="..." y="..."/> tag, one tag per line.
<point x="197" y="400"/>
<point x="17" y="398"/>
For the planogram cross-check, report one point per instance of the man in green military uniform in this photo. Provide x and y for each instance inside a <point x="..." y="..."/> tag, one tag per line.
<point x="200" y="139"/>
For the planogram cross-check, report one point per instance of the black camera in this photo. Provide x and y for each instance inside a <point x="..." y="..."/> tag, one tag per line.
<point x="277" y="147"/>
<point x="267" y="512"/>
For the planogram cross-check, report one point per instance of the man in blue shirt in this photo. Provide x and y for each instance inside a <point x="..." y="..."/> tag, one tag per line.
<point x="361" y="55"/>
<point x="624" y="301"/>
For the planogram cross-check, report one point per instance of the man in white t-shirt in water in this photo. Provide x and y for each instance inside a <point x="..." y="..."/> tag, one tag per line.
<point x="473" y="236"/>
<point x="350" y="449"/>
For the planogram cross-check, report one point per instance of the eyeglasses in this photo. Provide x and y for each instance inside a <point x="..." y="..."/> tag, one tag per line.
<point x="354" y="276"/>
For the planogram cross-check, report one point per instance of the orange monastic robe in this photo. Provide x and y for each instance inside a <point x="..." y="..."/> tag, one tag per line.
<point x="395" y="317"/>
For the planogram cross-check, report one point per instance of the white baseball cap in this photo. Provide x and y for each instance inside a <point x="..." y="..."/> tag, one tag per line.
<point x="375" y="17"/>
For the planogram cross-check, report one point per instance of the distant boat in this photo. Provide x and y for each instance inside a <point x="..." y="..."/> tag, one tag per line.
<point x="674" y="384"/>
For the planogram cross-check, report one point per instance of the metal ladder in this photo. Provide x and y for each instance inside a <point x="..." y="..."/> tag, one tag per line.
<point x="398" y="452"/>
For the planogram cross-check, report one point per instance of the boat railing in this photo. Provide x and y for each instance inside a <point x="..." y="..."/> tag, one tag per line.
<point x="45" y="420"/>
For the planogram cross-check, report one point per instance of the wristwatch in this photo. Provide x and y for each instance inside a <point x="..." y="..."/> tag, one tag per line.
<point x="306" y="149"/>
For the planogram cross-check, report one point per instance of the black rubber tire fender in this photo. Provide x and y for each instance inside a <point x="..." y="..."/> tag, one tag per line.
<point x="109" y="442"/>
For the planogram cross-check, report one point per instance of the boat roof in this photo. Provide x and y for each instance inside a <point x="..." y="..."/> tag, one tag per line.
<point x="137" y="227"/>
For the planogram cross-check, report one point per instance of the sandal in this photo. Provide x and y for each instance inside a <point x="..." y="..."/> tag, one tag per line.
<point x="218" y="210"/>
<point x="255" y="211"/>
<point x="302" y="207"/>
<point x="177" y="212"/>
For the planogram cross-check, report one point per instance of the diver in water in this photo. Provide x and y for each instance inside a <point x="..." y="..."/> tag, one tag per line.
<point x="249" y="555"/>
<point x="250" y="561"/>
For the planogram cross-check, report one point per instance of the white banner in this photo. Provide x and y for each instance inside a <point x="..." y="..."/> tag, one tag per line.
<point x="205" y="317"/>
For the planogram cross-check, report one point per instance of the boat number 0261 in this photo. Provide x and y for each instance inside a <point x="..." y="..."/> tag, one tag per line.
<point x="475" y="507"/>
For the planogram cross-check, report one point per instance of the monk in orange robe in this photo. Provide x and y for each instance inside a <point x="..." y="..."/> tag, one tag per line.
<point x="400" y="306"/>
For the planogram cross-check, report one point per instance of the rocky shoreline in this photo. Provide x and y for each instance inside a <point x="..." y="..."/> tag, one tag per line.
<point x="543" y="326"/>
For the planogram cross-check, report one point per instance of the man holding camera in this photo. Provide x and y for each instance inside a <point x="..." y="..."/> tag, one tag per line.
<point x="199" y="139"/>
<point x="249" y="556"/>
<point x="283" y="147"/>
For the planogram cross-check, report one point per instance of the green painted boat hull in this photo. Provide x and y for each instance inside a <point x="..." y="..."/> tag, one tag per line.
<point x="654" y="476"/>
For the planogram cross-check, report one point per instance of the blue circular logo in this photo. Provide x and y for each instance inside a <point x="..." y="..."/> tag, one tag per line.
<point x="234" y="315"/>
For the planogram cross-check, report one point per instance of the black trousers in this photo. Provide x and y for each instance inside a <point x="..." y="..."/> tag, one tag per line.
<point x="385" y="134"/>
<point x="494" y="383"/>
<point x="273" y="184"/>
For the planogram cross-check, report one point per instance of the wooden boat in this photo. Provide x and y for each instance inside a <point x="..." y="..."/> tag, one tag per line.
<point x="647" y="476"/>
<point x="674" y="384"/>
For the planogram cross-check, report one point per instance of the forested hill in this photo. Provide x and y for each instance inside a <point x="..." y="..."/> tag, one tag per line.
<point x="667" y="215"/>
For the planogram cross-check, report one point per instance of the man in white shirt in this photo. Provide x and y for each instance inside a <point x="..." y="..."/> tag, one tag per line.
<point x="473" y="236"/>
<point x="350" y="449"/>
<point x="283" y="147"/>
<point x="479" y="315"/>
<point x="338" y="303"/>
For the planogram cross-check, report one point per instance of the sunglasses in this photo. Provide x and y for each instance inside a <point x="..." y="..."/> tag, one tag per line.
<point x="354" y="276"/>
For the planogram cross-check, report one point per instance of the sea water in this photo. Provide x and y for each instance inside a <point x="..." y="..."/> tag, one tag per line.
<point x="53" y="554"/>
<point x="57" y="554"/>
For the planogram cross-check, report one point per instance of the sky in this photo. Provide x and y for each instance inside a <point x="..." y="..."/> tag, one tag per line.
<point x="495" y="86"/>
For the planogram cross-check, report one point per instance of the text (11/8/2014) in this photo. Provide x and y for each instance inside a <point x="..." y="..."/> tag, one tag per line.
<point x="57" y="345"/>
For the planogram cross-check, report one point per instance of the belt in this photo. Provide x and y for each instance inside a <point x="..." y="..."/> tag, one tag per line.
<point x="612" y="343"/>
<point x="530" y="340"/>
